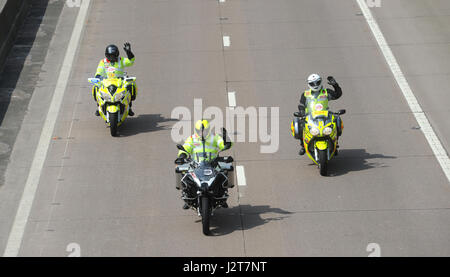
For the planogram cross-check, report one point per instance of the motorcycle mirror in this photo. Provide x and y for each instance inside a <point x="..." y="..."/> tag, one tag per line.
<point x="341" y="111"/>
<point x="93" y="80"/>
<point x="180" y="147"/>
<point x="178" y="162"/>
<point x="229" y="159"/>
<point x="297" y="114"/>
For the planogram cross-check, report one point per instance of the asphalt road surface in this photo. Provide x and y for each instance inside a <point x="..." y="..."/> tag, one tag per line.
<point x="116" y="196"/>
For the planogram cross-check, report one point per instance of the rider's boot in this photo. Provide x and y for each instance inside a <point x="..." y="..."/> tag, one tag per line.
<point x="302" y="149"/>
<point x="97" y="113"/>
<point x="337" y="148"/>
<point x="185" y="206"/>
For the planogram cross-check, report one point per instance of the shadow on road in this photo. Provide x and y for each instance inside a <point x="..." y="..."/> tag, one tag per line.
<point x="144" y="123"/>
<point x="350" y="160"/>
<point x="244" y="217"/>
<point x="19" y="59"/>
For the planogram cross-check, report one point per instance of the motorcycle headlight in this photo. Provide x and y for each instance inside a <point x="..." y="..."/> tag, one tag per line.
<point x="314" y="131"/>
<point x="106" y="96"/>
<point x="327" y="131"/>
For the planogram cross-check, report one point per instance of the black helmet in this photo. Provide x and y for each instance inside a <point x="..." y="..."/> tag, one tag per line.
<point x="112" y="53"/>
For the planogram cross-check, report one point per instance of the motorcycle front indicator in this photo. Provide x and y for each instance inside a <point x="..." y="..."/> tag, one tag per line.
<point x="327" y="131"/>
<point x="314" y="131"/>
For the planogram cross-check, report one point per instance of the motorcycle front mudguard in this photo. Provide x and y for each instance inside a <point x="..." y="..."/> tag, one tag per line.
<point x="321" y="145"/>
<point x="112" y="108"/>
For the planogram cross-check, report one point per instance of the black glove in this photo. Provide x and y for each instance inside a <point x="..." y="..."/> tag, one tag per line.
<point x="127" y="47"/>
<point x="332" y="81"/>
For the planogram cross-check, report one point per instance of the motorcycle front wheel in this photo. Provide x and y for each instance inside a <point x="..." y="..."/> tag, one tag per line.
<point x="323" y="162"/>
<point x="113" y="122"/>
<point x="206" y="214"/>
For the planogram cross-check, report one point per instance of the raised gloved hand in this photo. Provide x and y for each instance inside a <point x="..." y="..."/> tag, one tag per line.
<point x="127" y="47"/>
<point x="331" y="81"/>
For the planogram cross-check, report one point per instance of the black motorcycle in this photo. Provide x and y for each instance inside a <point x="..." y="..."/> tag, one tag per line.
<point x="204" y="181"/>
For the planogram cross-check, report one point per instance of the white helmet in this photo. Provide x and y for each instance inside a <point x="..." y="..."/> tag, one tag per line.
<point x="315" y="82"/>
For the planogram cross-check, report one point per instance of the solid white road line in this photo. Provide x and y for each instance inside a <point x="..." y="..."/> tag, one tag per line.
<point x="232" y="99"/>
<point x="422" y="120"/>
<point x="240" y="173"/>
<point x="226" y="41"/>
<point x="23" y="212"/>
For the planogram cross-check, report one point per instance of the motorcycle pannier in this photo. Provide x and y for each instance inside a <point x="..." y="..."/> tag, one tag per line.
<point x="179" y="174"/>
<point x="230" y="169"/>
<point x="296" y="128"/>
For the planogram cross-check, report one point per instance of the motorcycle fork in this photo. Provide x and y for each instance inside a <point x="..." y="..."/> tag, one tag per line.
<point x="199" y="200"/>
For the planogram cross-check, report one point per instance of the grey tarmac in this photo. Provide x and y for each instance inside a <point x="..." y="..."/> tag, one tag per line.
<point x="117" y="197"/>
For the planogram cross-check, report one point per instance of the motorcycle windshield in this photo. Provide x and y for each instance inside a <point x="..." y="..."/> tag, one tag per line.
<point x="205" y="171"/>
<point x="320" y="118"/>
<point x="317" y="105"/>
<point x="207" y="156"/>
<point x="112" y="82"/>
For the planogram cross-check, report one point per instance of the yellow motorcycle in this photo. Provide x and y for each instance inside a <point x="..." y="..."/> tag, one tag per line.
<point x="320" y="135"/>
<point x="113" y="100"/>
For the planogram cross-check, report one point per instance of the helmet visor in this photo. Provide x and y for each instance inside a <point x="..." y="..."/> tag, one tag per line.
<point x="112" y="57"/>
<point x="203" y="132"/>
<point x="315" y="83"/>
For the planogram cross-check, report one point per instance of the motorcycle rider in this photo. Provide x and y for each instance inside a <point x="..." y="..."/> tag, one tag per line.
<point x="317" y="93"/>
<point x="194" y="147"/>
<point x="113" y="65"/>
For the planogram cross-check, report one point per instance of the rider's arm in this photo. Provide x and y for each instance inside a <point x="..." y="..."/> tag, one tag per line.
<point x="128" y="62"/>
<point x="127" y="48"/>
<point x="302" y="106"/>
<point x="188" y="146"/>
<point x="337" y="92"/>
<point x="130" y="55"/>
<point x="100" y="70"/>
<point x="220" y="142"/>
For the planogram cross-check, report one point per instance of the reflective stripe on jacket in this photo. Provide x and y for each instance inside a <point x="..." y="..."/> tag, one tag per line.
<point x="194" y="146"/>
